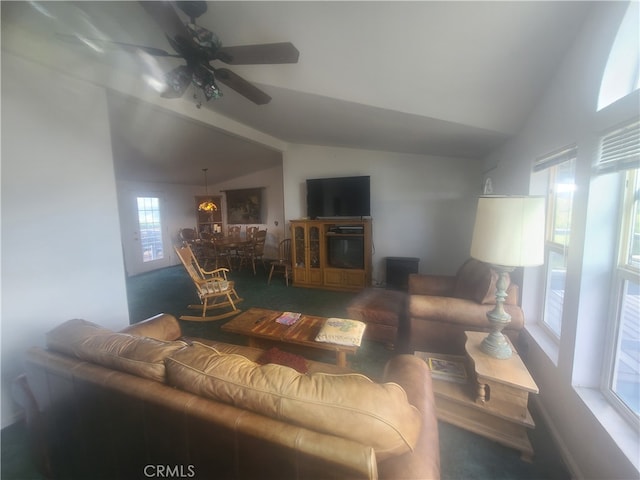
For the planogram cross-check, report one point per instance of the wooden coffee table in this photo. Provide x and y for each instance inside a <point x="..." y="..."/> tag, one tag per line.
<point x="259" y="325"/>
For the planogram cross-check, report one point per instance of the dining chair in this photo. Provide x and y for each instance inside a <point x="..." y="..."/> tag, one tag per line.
<point x="222" y="252"/>
<point x="283" y="263"/>
<point x="233" y="231"/>
<point x="254" y="250"/>
<point x="251" y="232"/>
<point x="188" y="235"/>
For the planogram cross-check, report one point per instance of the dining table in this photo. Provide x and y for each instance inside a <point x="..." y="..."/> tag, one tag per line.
<point x="230" y="246"/>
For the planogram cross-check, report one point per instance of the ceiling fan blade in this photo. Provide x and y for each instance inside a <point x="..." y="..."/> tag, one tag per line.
<point x="192" y="9"/>
<point x="266" y="53"/>
<point x="167" y="18"/>
<point x="96" y="43"/>
<point x="241" y="86"/>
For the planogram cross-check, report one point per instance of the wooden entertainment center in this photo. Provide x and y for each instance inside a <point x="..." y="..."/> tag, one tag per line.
<point x="331" y="253"/>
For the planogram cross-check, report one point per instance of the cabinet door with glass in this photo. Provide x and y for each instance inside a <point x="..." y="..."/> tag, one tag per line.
<point x="306" y="252"/>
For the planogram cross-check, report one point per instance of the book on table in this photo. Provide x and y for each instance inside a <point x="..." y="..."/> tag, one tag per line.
<point x="288" y="318"/>
<point x="450" y="368"/>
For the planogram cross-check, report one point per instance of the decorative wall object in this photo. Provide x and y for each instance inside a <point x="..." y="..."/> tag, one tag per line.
<point x="244" y="206"/>
<point x="487" y="186"/>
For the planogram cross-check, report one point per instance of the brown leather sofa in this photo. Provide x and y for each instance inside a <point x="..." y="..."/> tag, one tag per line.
<point x="149" y="403"/>
<point x="441" y="308"/>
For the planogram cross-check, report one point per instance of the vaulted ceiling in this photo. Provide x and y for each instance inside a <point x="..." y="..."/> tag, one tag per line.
<point x="435" y="78"/>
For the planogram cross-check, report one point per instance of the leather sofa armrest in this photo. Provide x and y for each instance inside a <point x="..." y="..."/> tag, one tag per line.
<point x="413" y="375"/>
<point x="449" y="310"/>
<point x="161" y="327"/>
<point x="438" y="285"/>
<point x="23" y="395"/>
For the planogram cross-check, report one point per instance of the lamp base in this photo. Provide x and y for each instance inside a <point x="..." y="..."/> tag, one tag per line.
<point x="496" y="346"/>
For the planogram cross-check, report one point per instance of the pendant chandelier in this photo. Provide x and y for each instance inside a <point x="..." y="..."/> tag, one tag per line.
<point x="207" y="205"/>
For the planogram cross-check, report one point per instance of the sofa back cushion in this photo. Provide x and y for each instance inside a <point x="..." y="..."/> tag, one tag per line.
<point x="161" y="327"/>
<point x="141" y="356"/>
<point x="476" y="281"/>
<point x="349" y="406"/>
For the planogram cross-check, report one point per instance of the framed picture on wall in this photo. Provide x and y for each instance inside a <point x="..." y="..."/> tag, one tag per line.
<point x="244" y="206"/>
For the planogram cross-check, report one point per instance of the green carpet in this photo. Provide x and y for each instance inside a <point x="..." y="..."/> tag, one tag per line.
<point x="464" y="455"/>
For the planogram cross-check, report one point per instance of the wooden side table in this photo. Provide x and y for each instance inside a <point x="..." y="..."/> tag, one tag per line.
<point x="494" y="401"/>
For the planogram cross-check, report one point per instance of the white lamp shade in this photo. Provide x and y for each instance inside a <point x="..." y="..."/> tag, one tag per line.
<point x="509" y="231"/>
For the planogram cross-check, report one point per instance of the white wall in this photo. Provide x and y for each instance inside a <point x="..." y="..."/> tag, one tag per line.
<point x="594" y="446"/>
<point x="421" y="206"/>
<point x="61" y="255"/>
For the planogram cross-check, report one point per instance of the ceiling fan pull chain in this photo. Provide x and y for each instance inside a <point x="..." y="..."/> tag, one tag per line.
<point x="196" y="97"/>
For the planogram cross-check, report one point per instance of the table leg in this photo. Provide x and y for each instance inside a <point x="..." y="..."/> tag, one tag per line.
<point x="341" y="358"/>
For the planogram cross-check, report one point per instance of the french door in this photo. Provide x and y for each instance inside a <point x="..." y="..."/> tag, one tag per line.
<point x="145" y="240"/>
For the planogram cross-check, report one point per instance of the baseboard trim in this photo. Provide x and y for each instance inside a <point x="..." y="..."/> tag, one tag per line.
<point x="565" y="454"/>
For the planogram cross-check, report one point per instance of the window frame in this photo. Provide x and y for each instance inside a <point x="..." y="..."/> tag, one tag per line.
<point x="550" y="164"/>
<point x="623" y="273"/>
<point x="150" y="205"/>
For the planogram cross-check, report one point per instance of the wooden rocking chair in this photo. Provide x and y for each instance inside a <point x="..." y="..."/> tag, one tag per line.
<point x="212" y="286"/>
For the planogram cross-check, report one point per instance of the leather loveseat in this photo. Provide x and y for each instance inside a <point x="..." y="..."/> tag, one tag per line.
<point x="442" y="307"/>
<point x="149" y="403"/>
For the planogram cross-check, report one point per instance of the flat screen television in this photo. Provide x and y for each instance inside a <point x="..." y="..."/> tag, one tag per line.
<point x="339" y="197"/>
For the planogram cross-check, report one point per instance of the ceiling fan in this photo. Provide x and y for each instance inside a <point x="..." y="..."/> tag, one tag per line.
<point x="199" y="47"/>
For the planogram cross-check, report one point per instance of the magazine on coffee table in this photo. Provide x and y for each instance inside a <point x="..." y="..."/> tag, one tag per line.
<point x="288" y="318"/>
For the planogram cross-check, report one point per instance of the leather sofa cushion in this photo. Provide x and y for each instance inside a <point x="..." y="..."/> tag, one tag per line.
<point x="67" y="337"/>
<point x="161" y="327"/>
<point x="476" y="281"/>
<point x="140" y="356"/>
<point x="254" y="354"/>
<point x="349" y="406"/>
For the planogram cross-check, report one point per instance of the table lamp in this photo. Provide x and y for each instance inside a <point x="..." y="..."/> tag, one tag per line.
<point x="508" y="233"/>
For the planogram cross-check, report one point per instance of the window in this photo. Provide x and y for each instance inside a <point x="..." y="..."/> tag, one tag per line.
<point x="150" y="228"/>
<point x="622" y="73"/>
<point x="620" y="155"/>
<point x="622" y="379"/>
<point x="559" y="168"/>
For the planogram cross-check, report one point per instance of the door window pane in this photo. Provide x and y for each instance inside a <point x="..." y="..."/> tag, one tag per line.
<point x="150" y="228"/>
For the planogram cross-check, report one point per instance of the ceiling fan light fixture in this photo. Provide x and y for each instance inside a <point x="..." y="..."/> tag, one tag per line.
<point x="207" y="205"/>
<point x="203" y="37"/>
<point x="198" y="46"/>
<point x="177" y="81"/>
<point x="211" y="90"/>
<point x="205" y="80"/>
